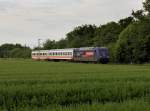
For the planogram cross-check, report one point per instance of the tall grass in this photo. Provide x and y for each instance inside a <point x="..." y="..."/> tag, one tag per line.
<point x="62" y="86"/>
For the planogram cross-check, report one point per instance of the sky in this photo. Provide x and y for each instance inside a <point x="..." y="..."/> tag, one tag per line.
<point x="26" y="21"/>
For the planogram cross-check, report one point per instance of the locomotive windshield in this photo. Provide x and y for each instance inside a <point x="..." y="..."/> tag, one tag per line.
<point x="104" y="52"/>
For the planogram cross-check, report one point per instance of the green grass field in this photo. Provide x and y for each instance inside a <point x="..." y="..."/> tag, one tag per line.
<point x="27" y="85"/>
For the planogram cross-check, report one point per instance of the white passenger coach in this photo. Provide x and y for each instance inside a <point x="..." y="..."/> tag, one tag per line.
<point x="55" y="54"/>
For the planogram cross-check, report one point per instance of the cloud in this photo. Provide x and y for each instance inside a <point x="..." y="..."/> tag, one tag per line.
<point x="25" y="21"/>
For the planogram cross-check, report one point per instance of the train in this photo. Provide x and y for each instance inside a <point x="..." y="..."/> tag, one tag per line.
<point x="83" y="54"/>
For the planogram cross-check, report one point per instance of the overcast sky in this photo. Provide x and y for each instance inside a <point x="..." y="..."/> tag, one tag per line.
<point x="24" y="21"/>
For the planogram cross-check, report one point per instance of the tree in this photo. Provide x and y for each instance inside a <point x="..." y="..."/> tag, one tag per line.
<point x="61" y="44"/>
<point x="107" y="34"/>
<point x="81" y="36"/>
<point x="147" y="5"/>
<point x="7" y="49"/>
<point x="126" y="21"/>
<point x="134" y="43"/>
<point x="138" y="15"/>
<point x="20" y="53"/>
<point x="49" y="44"/>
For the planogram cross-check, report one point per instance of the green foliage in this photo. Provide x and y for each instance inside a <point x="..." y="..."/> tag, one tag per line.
<point x="20" y="53"/>
<point x="81" y="36"/>
<point x="49" y="44"/>
<point x="14" y="51"/>
<point x="107" y="34"/>
<point x="138" y="15"/>
<point x="147" y="5"/>
<point x="126" y="21"/>
<point x="61" y="44"/>
<point x="134" y="43"/>
<point x="45" y="85"/>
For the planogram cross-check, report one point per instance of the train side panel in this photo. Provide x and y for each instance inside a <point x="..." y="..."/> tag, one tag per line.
<point x="39" y="55"/>
<point x="61" y="54"/>
<point x="85" y="54"/>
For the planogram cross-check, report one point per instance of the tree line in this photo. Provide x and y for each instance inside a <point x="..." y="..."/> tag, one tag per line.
<point x="14" y="51"/>
<point x="128" y="39"/>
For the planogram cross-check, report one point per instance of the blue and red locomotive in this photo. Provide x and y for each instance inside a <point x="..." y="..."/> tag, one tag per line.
<point x="85" y="54"/>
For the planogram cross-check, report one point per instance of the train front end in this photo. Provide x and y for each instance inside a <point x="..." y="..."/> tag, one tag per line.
<point x="102" y="54"/>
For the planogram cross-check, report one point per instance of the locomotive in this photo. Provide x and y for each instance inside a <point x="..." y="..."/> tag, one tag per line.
<point x="83" y="54"/>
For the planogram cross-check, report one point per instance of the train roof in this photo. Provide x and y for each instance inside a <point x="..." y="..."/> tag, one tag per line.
<point x="68" y="49"/>
<point x="37" y="51"/>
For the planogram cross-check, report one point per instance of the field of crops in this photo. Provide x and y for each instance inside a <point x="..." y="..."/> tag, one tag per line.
<point x="27" y="85"/>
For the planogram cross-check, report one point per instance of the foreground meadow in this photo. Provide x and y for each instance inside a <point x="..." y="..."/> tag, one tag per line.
<point x="27" y="85"/>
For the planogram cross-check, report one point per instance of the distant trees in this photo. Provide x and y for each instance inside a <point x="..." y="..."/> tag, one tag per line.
<point x="107" y="34"/>
<point x="81" y="36"/>
<point x="14" y="51"/>
<point x="49" y="44"/>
